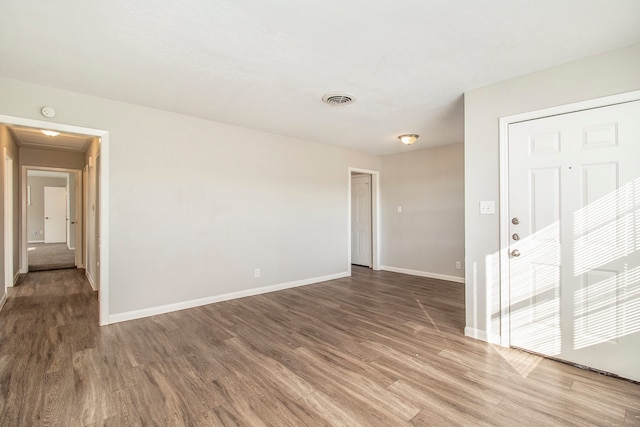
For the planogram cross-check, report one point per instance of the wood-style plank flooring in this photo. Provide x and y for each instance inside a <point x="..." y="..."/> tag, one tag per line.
<point x="376" y="349"/>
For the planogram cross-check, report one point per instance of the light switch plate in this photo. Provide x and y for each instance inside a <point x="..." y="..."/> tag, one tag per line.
<point x="487" y="207"/>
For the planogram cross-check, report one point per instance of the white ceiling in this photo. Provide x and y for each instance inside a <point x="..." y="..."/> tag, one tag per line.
<point x="29" y="137"/>
<point x="266" y="65"/>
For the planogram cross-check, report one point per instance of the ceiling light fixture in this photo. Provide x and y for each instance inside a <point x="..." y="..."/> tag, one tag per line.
<point x="50" y="132"/>
<point x="408" y="138"/>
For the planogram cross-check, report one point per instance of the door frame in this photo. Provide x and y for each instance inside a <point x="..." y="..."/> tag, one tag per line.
<point x="504" y="339"/>
<point x="103" y="294"/>
<point x="24" y="238"/>
<point x="375" y="216"/>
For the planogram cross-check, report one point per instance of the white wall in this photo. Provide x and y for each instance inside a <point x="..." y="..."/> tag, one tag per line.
<point x="35" y="211"/>
<point x="427" y="238"/>
<point x="196" y="205"/>
<point x="602" y="75"/>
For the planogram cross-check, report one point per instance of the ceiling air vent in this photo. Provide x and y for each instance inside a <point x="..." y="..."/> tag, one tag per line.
<point x="338" y="99"/>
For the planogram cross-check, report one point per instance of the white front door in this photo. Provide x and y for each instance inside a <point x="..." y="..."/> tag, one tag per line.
<point x="55" y="214"/>
<point x="361" y="220"/>
<point x="574" y="206"/>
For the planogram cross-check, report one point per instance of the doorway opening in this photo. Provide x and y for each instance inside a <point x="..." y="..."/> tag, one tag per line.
<point x="363" y="220"/>
<point x="54" y="154"/>
<point x="54" y="219"/>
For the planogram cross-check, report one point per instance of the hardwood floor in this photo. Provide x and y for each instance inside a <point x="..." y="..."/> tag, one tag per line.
<point x="50" y="256"/>
<point x="376" y="349"/>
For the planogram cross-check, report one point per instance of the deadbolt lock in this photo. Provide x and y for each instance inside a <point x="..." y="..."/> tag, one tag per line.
<point x="515" y="236"/>
<point x="515" y="221"/>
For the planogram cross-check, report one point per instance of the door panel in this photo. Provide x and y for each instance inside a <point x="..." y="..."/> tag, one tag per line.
<point x="55" y="214"/>
<point x="361" y="220"/>
<point x="574" y="185"/>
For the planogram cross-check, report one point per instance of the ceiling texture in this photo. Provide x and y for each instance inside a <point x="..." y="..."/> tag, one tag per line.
<point x="267" y="65"/>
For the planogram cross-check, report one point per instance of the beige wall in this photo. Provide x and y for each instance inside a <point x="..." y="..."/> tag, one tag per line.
<point x="35" y="212"/>
<point x="51" y="158"/>
<point x="6" y="141"/>
<point x="428" y="236"/>
<point x="92" y="214"/>
<point x="607" y="74"/>
<point x="196" y="205"/>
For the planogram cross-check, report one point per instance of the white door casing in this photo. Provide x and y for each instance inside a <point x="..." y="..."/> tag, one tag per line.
<point x="574" y="280"/>
<point x="55" y="214"/>
<point x="361" y="220"/>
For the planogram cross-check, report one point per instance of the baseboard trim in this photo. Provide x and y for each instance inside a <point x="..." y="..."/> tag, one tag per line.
<point x="35" y="241"/>
<point x="153" y="311"/>
<point x="16" y="277"/>
<point x="482" y="335"/>
<point x="3" y="300"/>
<point x="423" y="274"/>
<point x="90" y="279"/>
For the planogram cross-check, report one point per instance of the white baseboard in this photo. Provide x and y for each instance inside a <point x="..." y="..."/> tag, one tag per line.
<point x="482" y="335"/>
<point x="35" y="241"/>
<point x="152" y="311"/>
<point x="16" y="277"/>
<point x="423" y="274"/>
<point x="3" y="299"/>
<point x="91" y="281"/>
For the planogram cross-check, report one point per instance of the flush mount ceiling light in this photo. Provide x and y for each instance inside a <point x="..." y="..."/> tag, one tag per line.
<point x="50" y="132"/>
<point x="408" y="138"/>
<point x="338" y="99"/>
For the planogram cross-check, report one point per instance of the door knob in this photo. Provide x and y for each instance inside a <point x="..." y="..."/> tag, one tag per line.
<point x="515" y="221"/>
<point x="515" y="236"/>
<point x="515" y="253"/>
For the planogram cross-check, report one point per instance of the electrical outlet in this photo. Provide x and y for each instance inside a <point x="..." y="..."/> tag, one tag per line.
<point x="487" y="207"/>
<point x="256" y="273"/>
<point x="458" y="265"/>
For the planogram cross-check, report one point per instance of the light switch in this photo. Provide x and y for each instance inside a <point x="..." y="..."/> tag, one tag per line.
<point x="399" y="209"/>
<point x="487" y="207"/>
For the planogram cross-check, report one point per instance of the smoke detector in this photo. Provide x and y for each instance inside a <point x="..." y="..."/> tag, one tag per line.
<point x="338" y="99"/>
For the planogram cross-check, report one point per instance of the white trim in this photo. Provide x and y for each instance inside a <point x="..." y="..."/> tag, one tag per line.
<point x="423" y="274"/>
<point x="505" y="339"/>
<point x="104" y="197"/>
<point x="375" y="216"/>
<point x="91" y="281"/>
<point x="16" y="277"/>
<point x="35" y="241"/>
<point x="481" y="335"/>
<point x="3" y="299"/>
<point x="152" y="311"/>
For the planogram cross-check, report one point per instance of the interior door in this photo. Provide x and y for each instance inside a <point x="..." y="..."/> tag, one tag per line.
<point x="574" y="204"/>
<point x="361" y="220"/>
<point x="55" y="214"/>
